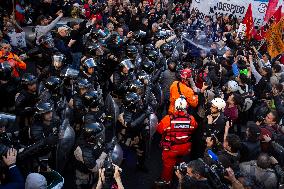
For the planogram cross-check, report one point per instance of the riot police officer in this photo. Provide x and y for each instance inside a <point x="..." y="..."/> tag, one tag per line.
<point x="53" y="94"/>
<point x="42" y="54"/>
<point x="122" y="77"/>
<point x="45" y="127"/>
<point x="89" y="71"/>
<point x="55" y="68"/>
<point x="77" y="103"/>
<point x="132" y="130"/>
<point x="89" y="154"/>
<point x="24" y="104"/>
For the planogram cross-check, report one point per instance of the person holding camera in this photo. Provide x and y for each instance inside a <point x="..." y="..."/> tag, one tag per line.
<point x="116" y="176"/>
<point x="193" y="176"/>
<point x="176" y="133"/>
<point x="16" y="178"/>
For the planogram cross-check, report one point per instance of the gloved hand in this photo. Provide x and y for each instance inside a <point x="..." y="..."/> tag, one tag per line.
<point x="51" y="140"/>
<point x="149" y="111"/>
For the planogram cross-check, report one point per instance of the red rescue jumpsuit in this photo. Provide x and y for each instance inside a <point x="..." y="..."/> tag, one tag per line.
<point x="176" y="130"/>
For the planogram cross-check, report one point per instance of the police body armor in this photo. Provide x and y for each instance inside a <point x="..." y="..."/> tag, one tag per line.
<point x="132" y="126"/>
<point x="179" y="133"/>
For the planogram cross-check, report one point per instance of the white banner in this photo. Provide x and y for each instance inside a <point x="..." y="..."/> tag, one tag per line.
<point x="235" y="7"/>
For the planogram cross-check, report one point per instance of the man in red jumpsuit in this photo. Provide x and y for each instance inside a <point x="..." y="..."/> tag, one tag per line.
<point x="176" y="133"/>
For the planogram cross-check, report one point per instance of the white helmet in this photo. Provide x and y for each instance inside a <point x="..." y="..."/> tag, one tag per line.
<point x="180" y="103"/>
<point x="233" y="86"/>
<point x="219" y="103"/>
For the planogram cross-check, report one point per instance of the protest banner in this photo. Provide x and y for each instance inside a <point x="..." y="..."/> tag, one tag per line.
<point x="234" y="7"/>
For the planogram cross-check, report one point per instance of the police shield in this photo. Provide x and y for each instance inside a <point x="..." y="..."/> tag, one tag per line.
<point x="65" y="145"/>
<point x="111" y="108"/>
<point x="157" y="90"/>
<point x="117" y="155"/>
<point x="153" y="123"/>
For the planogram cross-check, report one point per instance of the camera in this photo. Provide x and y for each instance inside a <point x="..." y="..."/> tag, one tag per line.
<point x="182" y="167"/>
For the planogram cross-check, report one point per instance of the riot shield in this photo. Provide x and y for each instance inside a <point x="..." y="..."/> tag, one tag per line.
<point x="65" y="145"/>
<point x="157" y="90"/>
<point x="112" y="109"/>
<point x="152" y="127"/>
<point x="117" y="155"/>
<point x="153" y="123"/>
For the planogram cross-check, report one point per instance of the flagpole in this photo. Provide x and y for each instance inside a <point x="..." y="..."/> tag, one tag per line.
<point x="13" y="14"/>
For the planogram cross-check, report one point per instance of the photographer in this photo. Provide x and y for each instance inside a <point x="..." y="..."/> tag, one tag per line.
<point x="194" y="177"/>
<point x="17" y="180"/>
<point x="116" y="176"/>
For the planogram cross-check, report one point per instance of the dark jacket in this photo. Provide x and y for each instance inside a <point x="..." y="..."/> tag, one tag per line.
<point x="17" y="180"/>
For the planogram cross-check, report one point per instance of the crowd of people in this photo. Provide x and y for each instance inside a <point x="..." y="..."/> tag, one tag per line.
<point x="91" y="92"/>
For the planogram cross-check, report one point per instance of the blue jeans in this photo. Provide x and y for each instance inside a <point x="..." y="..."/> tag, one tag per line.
<point x="76" y="60"/>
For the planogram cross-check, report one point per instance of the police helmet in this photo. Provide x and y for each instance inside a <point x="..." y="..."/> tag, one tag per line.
<point x="5" y="71"/>
<point x="28" y="79"/>
<point x="52" y="83"/>
<point x="92" y="98"/>
<point x="58" y="60"/>
<point x="136" y="86"/>
<point x="131" y="51"/>
<point x="43" y="107"/>
<point x="148" y="47"/>
<point x="153" y="55"/>
<point x="94" y="133"/>
<point x="89" y="63"/>
<point x="148" y="66"/>
<point x="131" y="100"/>
<point x="83" y="83"/>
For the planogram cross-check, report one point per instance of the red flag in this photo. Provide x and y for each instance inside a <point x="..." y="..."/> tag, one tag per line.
<point x="248" y="21"/>
<point x="275" y="18"/>
<point x="272" y="4"/>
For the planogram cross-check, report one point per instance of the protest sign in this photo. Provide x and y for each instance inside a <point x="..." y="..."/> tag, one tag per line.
<point x="234" y="7"/>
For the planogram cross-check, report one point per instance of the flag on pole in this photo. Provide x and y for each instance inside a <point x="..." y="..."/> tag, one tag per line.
<point x="275" y="18"/>
<point x="248" y="21"/>
<point x="272" y="5"/>
<point x="275" y="44"/>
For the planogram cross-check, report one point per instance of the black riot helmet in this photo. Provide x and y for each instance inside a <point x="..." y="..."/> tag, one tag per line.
<point x="92" y="49"/>
<point x="88" y="63"/>
<point x="131" y="51"/>
<point x="136" y="86"/>
<point x="58" y="60"/>
<point x="94" y="133"/>
<point x="148" y="66"/>
<point x="148" y="47"/>
<point x="131" y="100"/>
<point x="143" y="76"/>
<point x="127" y="64"/>
<point x="82" y="84"/>
<point x="97" y="34"/>
<point x="153" y="55"/>
<point x="43" y="107"/>
<point x="92" y="98"/>
<point x="46" y="41"/>
<point x="28" y="79"/>
<point x="166" y="49"/>
<point x="5" y="71"/>
<point x="53" y="83"/>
